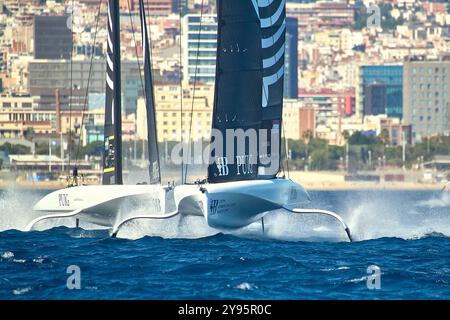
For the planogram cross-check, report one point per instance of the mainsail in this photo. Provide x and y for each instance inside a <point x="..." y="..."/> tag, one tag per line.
<point x="248" y="89"/>
<point x="112" y="155"/>
<point x="152" y="140"/>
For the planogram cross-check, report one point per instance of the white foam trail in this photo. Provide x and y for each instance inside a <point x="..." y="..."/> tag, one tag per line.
<point x="16" y="211"/>
<point x="190" y="227"/>
<point x="16" y="208"/>
<point x="377" y="217"/>
<point x="439" y="201"/>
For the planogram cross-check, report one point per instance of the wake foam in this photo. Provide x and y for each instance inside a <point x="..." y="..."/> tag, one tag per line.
<point x="16" y="211"/>
<point x="187" y="227"/>
<point x="378" y="217"/>
<point x="441" y="200"/>
<point x="16" y="208"/>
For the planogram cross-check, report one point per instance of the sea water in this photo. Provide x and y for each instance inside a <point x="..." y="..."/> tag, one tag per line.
<point x="402" y="251"/>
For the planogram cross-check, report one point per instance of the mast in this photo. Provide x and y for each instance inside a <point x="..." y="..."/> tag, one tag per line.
<point x="152" y="139"/>
<point x="249" y="89"/>
<point x="112" y="157"/>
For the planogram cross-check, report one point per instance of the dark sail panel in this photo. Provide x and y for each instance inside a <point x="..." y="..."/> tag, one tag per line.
<point x="152" y="140"/>
<point x="237" y="102"/>
<point x="112" y="154"/>
<point x="272" y="15"/>
<point x="249" y="86"/>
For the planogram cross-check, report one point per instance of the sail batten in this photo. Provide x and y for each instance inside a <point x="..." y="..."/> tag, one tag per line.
<point x="249" y="88"/>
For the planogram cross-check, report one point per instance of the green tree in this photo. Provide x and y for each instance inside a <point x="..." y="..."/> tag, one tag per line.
<point x="384" y="137"/>
<point x="15" y="148"/>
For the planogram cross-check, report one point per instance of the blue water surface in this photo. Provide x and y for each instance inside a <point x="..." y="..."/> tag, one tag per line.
<point x="404" y="233"/>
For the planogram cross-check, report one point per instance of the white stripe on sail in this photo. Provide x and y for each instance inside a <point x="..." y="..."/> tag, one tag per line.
<point x="109" y="82"/>
<point x="268" y="22"/>
<point x="255" y="4"/>
<point x="110" y="30"/>
<point x="268" y="81"/>
<point x="268" y="42"/>
<point x="267" y="63"/>
<point x="265" y="3"/>
<point x="110" y="46"/>
<point x="110" y="63"/>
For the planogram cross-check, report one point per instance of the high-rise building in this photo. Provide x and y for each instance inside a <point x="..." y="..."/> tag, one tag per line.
<point x="47" y="75"/>
<point x="152" y="7"/>
<point x="328" y="104"/>
<point x="427" y="96"/>
<point x="375" y="99"/>
<point x="52" y="37"/>
<point x="326" y="14"/>
<point x="369" y="81"/>
<point x="200" y="53"/>
<point x="291" y="59"/>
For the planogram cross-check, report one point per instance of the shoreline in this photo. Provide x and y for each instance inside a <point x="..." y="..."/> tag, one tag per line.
<point x="315" y="184"/>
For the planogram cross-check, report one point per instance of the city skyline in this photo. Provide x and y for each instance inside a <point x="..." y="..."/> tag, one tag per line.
<point x="335" y="53"/>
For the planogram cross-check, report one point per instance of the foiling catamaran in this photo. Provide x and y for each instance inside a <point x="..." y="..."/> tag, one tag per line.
<point x="243" y="184"/>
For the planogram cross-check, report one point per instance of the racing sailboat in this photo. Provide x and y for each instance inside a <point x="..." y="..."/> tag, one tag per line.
<point x="243" y="182"/>
<point x="102" y="205"/>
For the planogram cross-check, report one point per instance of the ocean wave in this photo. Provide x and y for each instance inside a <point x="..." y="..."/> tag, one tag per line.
<point x="246" y="286"/>
<point x="357" y="280"/>
<point x="20" y="291"/>
<point x="7" y="255"/>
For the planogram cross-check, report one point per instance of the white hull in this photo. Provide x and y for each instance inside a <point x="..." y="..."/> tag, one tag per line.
<point x="103" y="205"/>
<point x="234" y="205"/>
<point x="229" y="205"/>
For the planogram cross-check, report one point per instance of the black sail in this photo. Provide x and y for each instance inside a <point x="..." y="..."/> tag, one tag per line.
<point x="112" y="155"/>
<point x="248" y="89"/>
<point x="152" y="139"/>
<point x="272" y="15"/>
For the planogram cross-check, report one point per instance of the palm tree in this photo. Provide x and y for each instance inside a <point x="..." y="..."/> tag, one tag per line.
<point x="346" y="136"/>
<point x="307" y="137"/>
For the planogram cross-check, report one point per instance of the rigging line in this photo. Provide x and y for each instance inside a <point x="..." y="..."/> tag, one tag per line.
<point x="144" y="91"/>
<point x="195" y="85"/>
<point x="137" y="55"/>
<point x="180" y="5"/>
<point x="71" y="88"/>
<point x="86" y="97"/>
